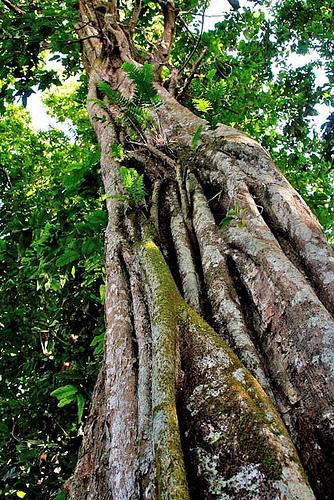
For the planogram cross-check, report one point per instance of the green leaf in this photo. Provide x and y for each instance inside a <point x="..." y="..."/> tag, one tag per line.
<point x="97" y="219"/>
<point x="98" y="344"/>
<point x="68" y="257"/>
<point x="20" y="494"/>
<point x="211" y="74"/>
<point x="202" y="105"/>
<point x="90" y="246"/>
<point x="226" y="221"/>
<point x="64" y="392"/>
<point x="133" y="184"/>
<point x="55" y="285"/>
<point x="114" y="96"/>
<point x="196" y="137"/>
<point x="100" y="103"/>
<point x="72" y="179"/>
<point x="66" y="401"/>
<point x="81" y="406"/>
<point x="116" y="151"/>
<point x="60" y="496"/>
<point x="102" y="293"/>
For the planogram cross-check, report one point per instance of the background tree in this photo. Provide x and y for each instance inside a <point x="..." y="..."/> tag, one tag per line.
<point x="238" y="242"/>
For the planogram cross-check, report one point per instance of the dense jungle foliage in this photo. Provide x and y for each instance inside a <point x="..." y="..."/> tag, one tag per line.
<point x="265" y="68"/>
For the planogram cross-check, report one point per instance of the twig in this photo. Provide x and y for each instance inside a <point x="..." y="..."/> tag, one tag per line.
<point x="229" y="109"/>
<point x="186" y="27"/>
<point x="78" y="27"/>
<point x="12" y="431"/>
<point x="198" y="14"/>
<point x="192" y="73"/>
<point x="198" y="41"/>
<point x="157" y="153"/>
<point x="215" y="196"/>
<point x="69" y="42"/>
<point x="13" y="7"/>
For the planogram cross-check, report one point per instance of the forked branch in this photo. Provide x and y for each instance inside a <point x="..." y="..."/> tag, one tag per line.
<point x="161" y="54"/>
<point x="192" y="73"/>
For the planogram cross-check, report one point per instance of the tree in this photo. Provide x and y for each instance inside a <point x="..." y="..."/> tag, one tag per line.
<point x="219" y="294"/>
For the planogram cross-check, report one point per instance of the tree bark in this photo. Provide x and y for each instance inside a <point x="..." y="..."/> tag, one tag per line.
<point x="218" y="361"/>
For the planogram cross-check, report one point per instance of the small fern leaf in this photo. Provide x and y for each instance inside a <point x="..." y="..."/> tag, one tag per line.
<point x="142" y="77"/>
<point x="113" y="96"/>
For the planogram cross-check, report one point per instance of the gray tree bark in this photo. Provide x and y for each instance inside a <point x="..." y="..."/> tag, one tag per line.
<point x="217" y="378"/>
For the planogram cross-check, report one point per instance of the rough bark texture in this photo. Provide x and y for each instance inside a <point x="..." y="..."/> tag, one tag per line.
<point x="218" y="362"/>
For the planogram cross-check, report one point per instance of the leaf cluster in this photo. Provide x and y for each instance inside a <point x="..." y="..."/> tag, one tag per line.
<point x="51" y="287"/>
<point x="133" y="184"/>
<point x="135" y="111"/>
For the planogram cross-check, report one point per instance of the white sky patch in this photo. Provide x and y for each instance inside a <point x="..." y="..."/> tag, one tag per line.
<point x="215" y="12"/>
<point x="40" y="118"/>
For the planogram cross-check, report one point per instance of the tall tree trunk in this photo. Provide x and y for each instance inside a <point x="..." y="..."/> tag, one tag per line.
<point x="218" y="353"/>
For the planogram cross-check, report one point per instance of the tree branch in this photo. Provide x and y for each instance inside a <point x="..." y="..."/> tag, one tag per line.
<point x="112" y="8"/>
<point x="6" y="174"/>
<point x="170" y="14"/>
<point x="161" y="54"/>
<point x="198" y="41"/>
<point x="13" y="7"/>
<point x="134" y="17"/>
<point x="192" y="73"/>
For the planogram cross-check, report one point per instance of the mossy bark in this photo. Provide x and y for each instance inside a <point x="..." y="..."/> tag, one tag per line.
<point x="224" y="409"/>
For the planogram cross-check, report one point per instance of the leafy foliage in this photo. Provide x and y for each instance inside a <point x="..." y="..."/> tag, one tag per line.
<point x="135" y="111"/>
<point x="202" y="105"/>
<point x="68" y="394"/>
<point x="51" y="271"/>
<point x="237" y="213"/>
<point x="116" y="151"/>
<point x="145" y="93"/>
<point x="260" y="74"/>
<point x="133" y="184"/>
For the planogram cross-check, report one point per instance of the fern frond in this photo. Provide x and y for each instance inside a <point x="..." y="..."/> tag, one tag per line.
<point x="141" y="116"/>
<point x="113" y="96"/>
<point x="142" y="77"/>
<point x="196" y="137"/>
<point x="133" y="184"/>
<point x="99" y="102"/>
